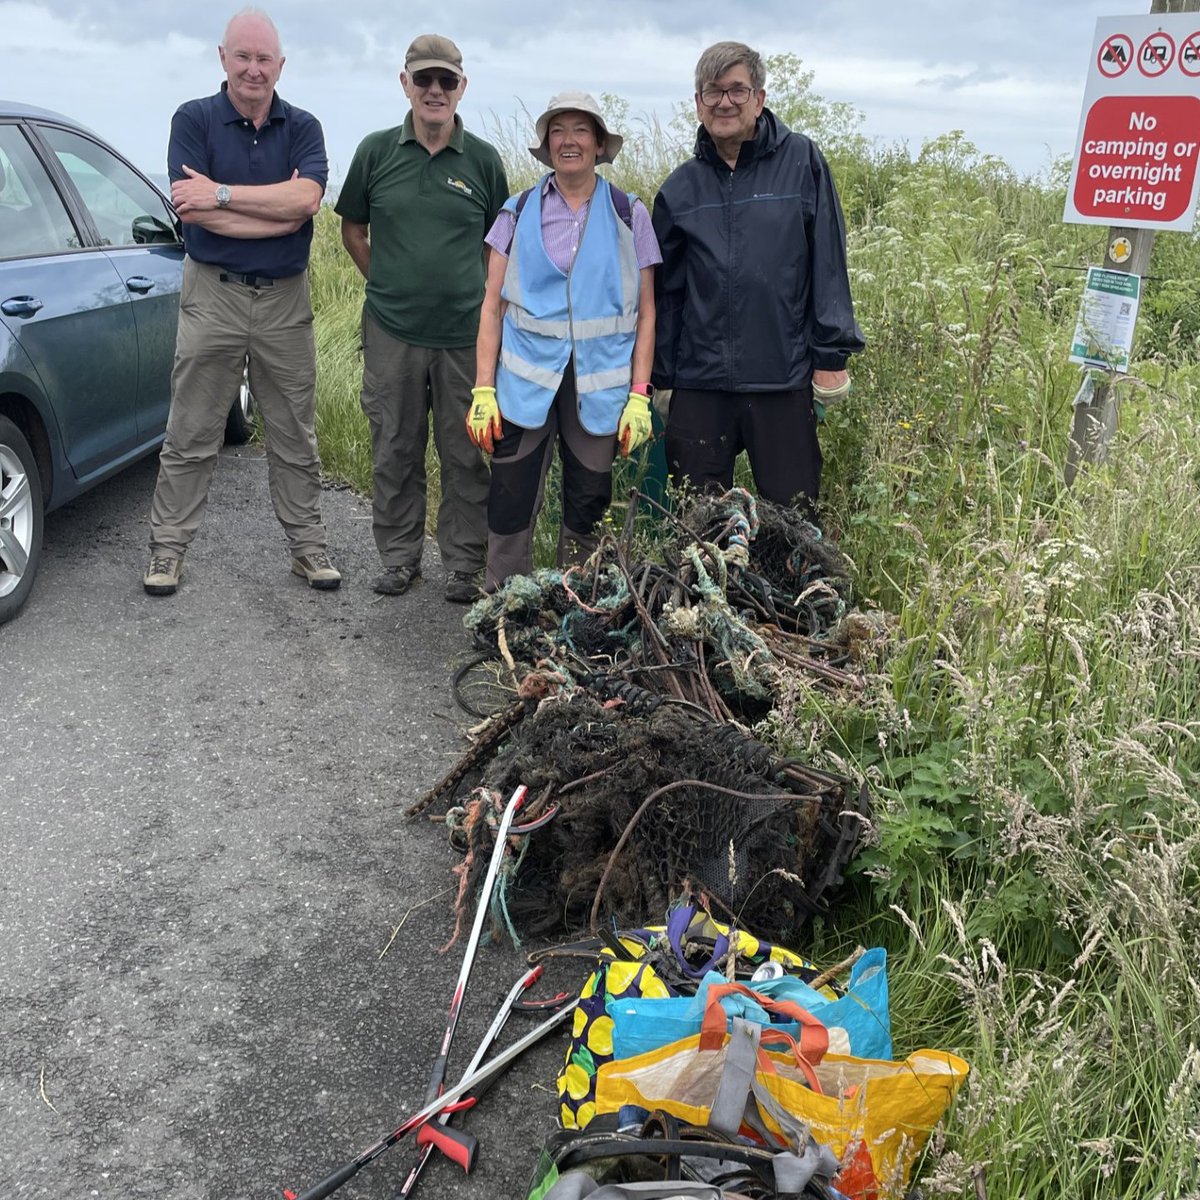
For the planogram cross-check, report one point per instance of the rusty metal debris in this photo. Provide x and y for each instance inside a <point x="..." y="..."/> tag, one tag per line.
<point x="628" y="686"/>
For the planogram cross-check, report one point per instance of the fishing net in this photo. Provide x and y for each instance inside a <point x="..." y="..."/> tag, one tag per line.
<point x="620" y="694"/>
<point x="651" y="802"/>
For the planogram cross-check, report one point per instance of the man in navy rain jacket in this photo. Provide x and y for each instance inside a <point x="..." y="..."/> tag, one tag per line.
<point x="755" y="319"/>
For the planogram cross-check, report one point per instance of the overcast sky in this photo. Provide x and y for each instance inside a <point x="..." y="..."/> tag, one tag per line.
<point x="1010" y="75"/>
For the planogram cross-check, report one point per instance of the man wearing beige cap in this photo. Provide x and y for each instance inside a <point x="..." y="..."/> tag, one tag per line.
<point x="417" y="201"/>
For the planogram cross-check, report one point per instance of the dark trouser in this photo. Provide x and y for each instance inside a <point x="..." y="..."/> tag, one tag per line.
<point x="402" y="385"/>
<point x="520" y="464"/>
<point x="778" y="430"/>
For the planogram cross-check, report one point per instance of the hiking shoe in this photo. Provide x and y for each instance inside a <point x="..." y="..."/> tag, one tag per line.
<point x="162" y="576"/>
<point x="395" y="581"/>
<point x="318" y="569"/>
<point x="462" y="587"/>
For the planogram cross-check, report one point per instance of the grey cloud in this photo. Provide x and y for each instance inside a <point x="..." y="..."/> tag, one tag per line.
<point x="1026" y="36"/>
<point x="931" y="31"/>
<point x="953" y="83"/>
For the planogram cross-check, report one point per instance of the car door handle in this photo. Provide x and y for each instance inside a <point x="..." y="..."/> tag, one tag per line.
<point x="20" y="306"/>
<point x="139" y="283"/>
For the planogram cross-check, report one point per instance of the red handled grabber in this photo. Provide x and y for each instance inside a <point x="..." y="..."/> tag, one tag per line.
<point x="462" y="1147"/>
<point x="427" y="1135"/>
<point x="451" y="1100"/>
<point x="456" y="1145"/>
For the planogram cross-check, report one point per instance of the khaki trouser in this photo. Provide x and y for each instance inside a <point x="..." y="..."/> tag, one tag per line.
<point x="401" y="385"/>
<point x="220" y="325"/>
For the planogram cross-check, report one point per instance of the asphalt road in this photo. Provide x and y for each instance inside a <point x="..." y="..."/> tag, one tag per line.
<point x="203" y="858"/>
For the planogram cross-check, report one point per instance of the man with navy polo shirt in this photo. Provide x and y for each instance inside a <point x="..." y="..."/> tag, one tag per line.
<point x="248" y="171"/>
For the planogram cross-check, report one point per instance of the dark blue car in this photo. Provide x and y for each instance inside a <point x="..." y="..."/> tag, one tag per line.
<point x="90" y="267"/>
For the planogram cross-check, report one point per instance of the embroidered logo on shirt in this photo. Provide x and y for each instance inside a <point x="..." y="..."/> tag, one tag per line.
<point x="458" y="183"/>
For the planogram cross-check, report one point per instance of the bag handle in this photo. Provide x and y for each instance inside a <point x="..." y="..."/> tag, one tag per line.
<point x="808" y="1051"/>
<point x="806" y="1065"/>
<point x="679" y="920"/>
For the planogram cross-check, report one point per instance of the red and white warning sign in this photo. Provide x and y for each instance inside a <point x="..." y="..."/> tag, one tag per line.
<point x="1138" y="148"/>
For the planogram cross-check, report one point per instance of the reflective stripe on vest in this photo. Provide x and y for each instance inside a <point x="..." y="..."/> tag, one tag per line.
<point x="591" y="311"/>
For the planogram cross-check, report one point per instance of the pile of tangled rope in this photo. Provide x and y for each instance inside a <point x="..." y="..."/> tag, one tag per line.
<point x="630" y="686"/>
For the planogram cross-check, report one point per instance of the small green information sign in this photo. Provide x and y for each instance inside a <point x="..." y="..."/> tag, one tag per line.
<point x="1107" y="316"/>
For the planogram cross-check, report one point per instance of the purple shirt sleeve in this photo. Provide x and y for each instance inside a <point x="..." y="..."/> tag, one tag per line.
<point x="644" y="241"/>
<point x="500" y="235"/>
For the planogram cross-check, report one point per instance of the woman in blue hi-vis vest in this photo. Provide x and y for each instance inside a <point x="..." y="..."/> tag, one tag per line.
<point x="566" y="339"/>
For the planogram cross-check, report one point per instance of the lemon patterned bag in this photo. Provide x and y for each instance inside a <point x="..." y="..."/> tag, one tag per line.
<point x="654" y="963"/>
<point x="591" y="1036"/>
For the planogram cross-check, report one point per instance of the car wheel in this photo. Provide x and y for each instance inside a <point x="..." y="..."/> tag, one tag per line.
<point x="21" y="517"/>
<point x="239" y="425"/>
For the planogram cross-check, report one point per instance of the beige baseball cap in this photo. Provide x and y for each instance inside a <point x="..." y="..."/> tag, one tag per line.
<point x="433" y="50"/>
<point x="582" y="102"/>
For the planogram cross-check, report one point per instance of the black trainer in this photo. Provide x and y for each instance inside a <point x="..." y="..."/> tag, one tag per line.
<point x="462" y="587"/>
<point x="395" y="581"/>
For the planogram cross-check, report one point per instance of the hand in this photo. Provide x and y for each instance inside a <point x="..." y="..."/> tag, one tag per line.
<point x="483" y="418"/>
<point x="829" y="387"/>
<point x="634" y="426"/>
<point x="196" y="193"/>
<point x="818" y="410"/>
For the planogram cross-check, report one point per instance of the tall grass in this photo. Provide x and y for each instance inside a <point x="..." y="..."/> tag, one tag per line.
<point x="1032" y="737"/>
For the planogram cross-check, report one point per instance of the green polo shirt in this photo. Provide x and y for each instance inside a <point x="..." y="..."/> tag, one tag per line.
<point x="428" y="216"/>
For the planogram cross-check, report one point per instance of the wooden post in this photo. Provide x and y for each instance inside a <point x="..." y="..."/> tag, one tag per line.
<point x="1096" y="421"/>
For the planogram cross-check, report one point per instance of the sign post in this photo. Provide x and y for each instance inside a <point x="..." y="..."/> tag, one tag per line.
<point x="1136" y="168"/>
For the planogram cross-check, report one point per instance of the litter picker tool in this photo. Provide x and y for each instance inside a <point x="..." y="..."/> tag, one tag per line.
<point x="462" y="1147"/>
<point x="427" y="1144"/>
<point x="456" y="1145"/>
<point x="451" y="1099"/>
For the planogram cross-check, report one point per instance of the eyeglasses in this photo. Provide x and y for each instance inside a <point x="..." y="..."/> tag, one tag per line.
<point x="738" y="94"/>
<point x="426" y="79"/>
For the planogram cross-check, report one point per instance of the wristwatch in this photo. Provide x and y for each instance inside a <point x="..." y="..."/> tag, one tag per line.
<point x="224" y="195"/>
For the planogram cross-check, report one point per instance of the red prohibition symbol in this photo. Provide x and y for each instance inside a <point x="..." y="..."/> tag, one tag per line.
<point x="1115" y="56"/>
<point x="1156" y="54"/>
<point x="1189" y="55"/>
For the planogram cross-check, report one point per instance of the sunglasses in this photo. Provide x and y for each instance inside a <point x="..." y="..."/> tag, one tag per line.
<point x="426" y="79"/>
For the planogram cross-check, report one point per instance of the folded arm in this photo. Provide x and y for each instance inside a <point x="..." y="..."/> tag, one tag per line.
<point x="236" y="225"/>
<point x="295" y="199"/>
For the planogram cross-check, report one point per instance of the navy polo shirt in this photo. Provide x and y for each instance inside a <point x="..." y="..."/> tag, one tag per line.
<point x="212" y="137"/>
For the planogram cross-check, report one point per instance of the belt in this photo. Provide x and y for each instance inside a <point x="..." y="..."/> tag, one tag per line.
<point x="254" y="281"/>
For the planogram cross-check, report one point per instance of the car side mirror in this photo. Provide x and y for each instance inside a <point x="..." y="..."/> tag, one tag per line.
<point x="149" y="230"/>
